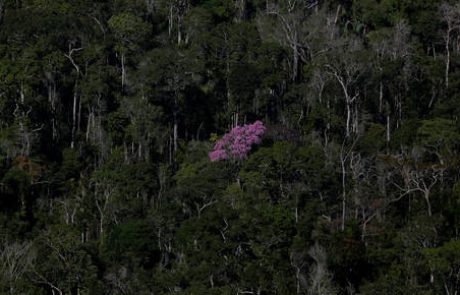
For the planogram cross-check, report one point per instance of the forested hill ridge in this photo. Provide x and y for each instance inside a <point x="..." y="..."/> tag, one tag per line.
<point x="229" y="147"/>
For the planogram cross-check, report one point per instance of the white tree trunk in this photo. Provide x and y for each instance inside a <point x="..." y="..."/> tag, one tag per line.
<point x="123" y="71"/>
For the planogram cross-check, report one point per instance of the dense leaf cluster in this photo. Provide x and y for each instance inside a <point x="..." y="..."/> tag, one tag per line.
<point x="109" y="109"/>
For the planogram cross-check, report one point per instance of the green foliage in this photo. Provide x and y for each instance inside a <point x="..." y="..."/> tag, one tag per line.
<point x="438" y="133"/>
<point x="134" y="241"/>
<point x="16" y="179"/>
<point x="127" y="27"/>
<point x="374" y="139"/>
<point x="220" y="8"/>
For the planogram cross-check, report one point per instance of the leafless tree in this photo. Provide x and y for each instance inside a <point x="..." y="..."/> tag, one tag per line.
<point x="346" y="71"/>
<point x="15" y="261"/>
<point x="290" y="28"/>
<point x="417" y="177"/>
<point x="346" y="153"/>
<point x="299" y="263"/>
<point x="176" y="11"/>
<point x="393" y="44"/>
<point x="320" y="279"/>
<point x="450" y="15"/>
<point x="70" y="57"/>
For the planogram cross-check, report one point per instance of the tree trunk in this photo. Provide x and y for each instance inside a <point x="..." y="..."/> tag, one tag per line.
<point x="297" y="278"/>
<point x="75" y="93"/>
<point x="295" y="62"/>
<point x="347" y="132"/>
<point x="344" y="193"/>
<point x="52" y="100"/>
<point x="447" y="62"/>
<point x="227" y="86"/>
<point x="355" y="124"/>
<point x="447" y="58"/>
<point x="175" y="128"/>
<point x="240" y="6"/>
<point x="79" y="116"/>
<point x="170" y="19"/>
<point x="74" y="115"/>
<point x="179" y="29"/>
<point x="388" y="128"/>
<point x="426" y="195"/>
<point x="123" y="71"/>
<point x="88" y="125"/>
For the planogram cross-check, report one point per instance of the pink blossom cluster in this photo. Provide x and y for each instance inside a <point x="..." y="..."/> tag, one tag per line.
<point x="238" y="142"/>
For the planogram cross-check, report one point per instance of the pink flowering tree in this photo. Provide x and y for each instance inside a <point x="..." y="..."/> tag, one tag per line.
<point x="236" y="144"/>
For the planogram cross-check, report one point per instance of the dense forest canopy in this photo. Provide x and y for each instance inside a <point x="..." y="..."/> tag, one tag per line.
<point x="117" y="124"/>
